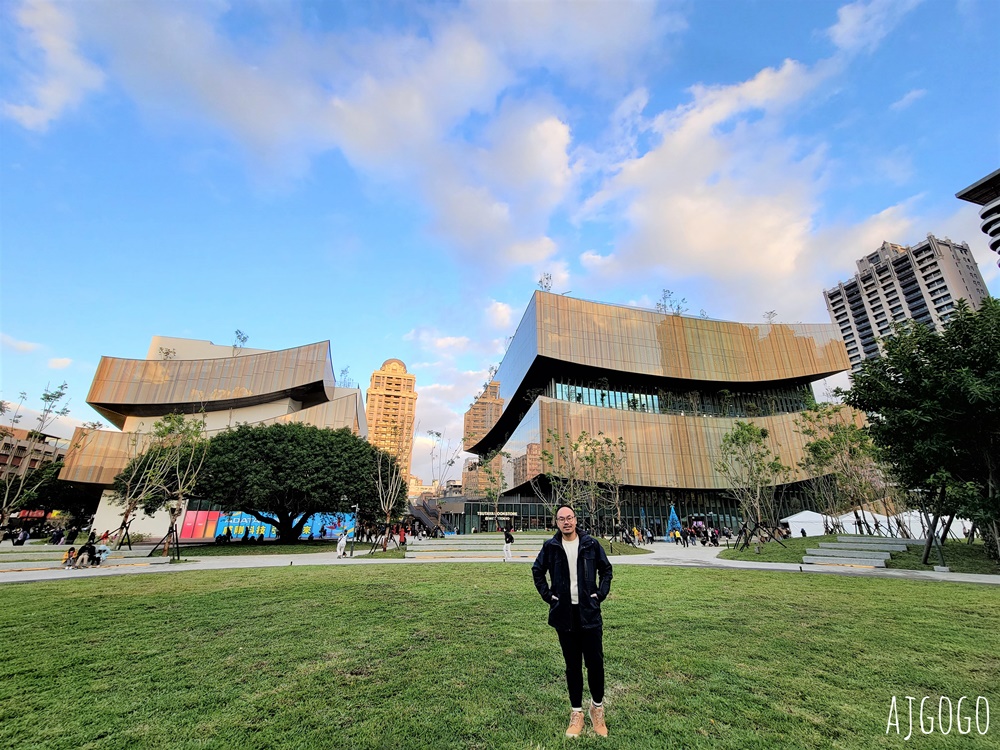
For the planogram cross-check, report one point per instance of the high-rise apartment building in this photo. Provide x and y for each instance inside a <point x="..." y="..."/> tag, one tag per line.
<point x="391" y="407"/>
<point x="895" y="283"/>
<point x="481" y="416"/>
<point x="986" y="193"/>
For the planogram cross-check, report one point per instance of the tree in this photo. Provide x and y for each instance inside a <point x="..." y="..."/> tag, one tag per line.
<point x="844" y="464"/>
<point x="166" y="471"/>
<point x="491" y="466"/>
<point x="668" y="304"/>
<point x="611" y="460"/>
<point x="571" y="469"/>
<point x="752" y="471"/>
<point x="933" y="406"/>
<point x="444" y="455"/>
<point x="49" y="492"/>
<point x="281" y="474"/>
<point x="17" y="478"/>
<point x="387" y="476"/>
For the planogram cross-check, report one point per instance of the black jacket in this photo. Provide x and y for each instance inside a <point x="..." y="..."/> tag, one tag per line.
<point x="591" y="564"/>
<point x="508" y="538"/>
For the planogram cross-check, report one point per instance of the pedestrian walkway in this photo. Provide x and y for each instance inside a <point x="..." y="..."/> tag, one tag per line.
<point x="663" y="554"/>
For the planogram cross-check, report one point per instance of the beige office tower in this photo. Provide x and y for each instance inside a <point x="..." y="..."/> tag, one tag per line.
<point x="481" y="416"/>
<point x="895" y="283"/>
<point x="391" y="412"/>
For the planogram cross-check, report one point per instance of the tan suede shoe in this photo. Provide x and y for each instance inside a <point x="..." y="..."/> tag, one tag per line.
<point x="575" y="724"/>
<point x="597" y="720"/>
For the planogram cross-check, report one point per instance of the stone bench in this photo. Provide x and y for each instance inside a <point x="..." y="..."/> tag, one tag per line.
<point x="868" y="554"/>
<point x="872" y="547"/>
<point x="880" y="540"/>
<point x="857" y="562"/>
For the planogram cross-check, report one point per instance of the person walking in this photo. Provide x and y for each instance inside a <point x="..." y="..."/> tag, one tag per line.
<point x="508" y="539"/>
<point x="342" y="546"/>
<point x="579" y="579"/>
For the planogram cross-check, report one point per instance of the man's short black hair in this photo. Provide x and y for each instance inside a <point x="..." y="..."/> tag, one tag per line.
<point x="568" y="507"/>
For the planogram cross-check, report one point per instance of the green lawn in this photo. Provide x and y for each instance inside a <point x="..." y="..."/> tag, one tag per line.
<point x="459" y="656"/>
<point x="959" y="556"/>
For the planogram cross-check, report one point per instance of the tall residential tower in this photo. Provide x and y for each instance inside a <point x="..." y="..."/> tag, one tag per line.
<point x="896" y="283"/>
<point x="390" y="407"/>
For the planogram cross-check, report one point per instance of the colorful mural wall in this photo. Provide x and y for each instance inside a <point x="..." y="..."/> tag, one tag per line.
<point x="208" y="524"/>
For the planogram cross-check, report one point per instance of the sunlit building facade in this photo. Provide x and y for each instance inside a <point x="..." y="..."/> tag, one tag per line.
<point x="670" y="385"/>
<point x="222" y="385"/>
<point x="391" y="408"/>
<point x="896" y="283"/>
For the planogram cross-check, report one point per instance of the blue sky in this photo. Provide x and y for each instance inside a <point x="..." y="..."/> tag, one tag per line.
<point x="396" y="176"/>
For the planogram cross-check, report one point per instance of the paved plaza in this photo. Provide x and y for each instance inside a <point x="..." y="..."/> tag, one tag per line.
<point x="663" y="554"/>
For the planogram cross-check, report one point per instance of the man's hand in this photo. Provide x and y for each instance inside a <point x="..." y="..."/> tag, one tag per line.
<point x="593" y="596"/>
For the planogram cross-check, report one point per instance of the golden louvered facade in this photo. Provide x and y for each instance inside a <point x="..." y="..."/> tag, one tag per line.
<point x="223" y="385"/>
<point x="670" y="385"/>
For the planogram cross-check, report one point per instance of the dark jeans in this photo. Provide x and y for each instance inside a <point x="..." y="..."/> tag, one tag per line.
<point x="583" y="645"/>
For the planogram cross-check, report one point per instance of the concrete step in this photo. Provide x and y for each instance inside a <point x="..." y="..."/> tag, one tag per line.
<point x="856" y="562"/>
<point x="489" y="553"/>
<point x="9" y="567"/>
<point x="871" y="554"/>
<point x="56" y="553"/>
<point x="873" y="547"/>
<point x="851" y="539"/>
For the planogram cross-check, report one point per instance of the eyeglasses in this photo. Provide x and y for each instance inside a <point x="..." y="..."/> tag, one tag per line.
<point x="564" y="518"/>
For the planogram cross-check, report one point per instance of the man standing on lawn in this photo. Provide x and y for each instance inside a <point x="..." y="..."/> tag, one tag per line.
<point x="580" y="577"/>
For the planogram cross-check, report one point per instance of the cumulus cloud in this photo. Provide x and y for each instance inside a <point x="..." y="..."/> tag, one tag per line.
<point x="16" y="345"/>
<point x="498" y="314"/>
<point x="907" y="99"/>
<point x="62" y="78"/>
<point x="726" y="192"/>
<point x="862" y="25"/>
<point x="60" y="363"/>
<point x="595" y="262"/>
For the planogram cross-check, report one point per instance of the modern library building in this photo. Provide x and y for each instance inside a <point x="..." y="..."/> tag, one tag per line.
<point x="224" y="386"/>
<point x="671" y="386"/>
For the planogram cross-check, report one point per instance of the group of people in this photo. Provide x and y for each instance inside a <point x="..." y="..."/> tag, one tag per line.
<point x="88" y="555"/>
<point x="690" y="536"/>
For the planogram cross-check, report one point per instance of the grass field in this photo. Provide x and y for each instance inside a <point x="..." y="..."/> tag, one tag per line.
<point x="459" y="656"/>
<point x="958" y="556"/>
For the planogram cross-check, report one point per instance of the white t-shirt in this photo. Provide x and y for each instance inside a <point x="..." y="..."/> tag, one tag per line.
<point x="572" y="550"/>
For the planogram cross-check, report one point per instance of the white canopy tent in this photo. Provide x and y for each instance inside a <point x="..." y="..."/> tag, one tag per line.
<point x="815" y="524"/>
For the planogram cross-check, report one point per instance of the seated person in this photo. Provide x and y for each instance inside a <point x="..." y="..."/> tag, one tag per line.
<point x="102" y="554"/>
<point x="85" y="556"/>
<point x="69" y="557"/>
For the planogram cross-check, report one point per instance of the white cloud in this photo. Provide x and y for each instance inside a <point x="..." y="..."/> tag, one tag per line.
<point x="907" y="99"/>
<point x="532" y="252"/>
<point x="16" y="345"/>
<point x="592" y="44"/>
<point x="595" y="262"/>
<point x="65" y="77"/>
<point x="498" y="314"/>
<point x="452" y="342"/>
<point x="863" y="24"/>
<point x="60" y="363"/>
<point x="726" y="192"/>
